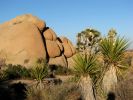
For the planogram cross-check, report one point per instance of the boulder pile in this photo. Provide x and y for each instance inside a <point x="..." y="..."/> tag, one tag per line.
<point x="26" y="38"/>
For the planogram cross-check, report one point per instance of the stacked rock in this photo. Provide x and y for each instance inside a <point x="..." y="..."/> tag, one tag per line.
<point x="26" y="38"/>
<point x="58" y="49"/>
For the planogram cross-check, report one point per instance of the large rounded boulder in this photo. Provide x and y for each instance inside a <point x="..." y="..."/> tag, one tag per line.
<point x="29" y="18"/>
<point x="21" y="42"/>
<point x="26" y="38"/>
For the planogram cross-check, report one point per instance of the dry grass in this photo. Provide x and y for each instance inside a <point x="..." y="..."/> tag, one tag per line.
<point x="124" y="90"/>
<point x="65" y="91"/>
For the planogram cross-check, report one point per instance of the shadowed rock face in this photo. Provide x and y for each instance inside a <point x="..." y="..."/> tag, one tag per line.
<point x="26" y="38"/>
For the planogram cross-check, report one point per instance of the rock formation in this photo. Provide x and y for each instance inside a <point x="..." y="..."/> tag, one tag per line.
<point x="26" y="38"/>
<point x="69" y="50"/>
<point x="61" y="61"/>
<point x="49" y="34"/>
<point x="53" y="49"/>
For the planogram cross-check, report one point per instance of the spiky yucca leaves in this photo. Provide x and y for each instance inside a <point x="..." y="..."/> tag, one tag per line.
<point x="39" y="71"/>
<point x="113" y="52"/>
<point x="85" y="66"/>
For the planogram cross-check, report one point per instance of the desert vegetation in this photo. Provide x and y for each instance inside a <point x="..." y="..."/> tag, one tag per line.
<point x="100" y="71"/>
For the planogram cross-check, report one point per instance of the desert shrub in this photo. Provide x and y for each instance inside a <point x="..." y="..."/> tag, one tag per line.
<point x="39" y="72"/>
<point x="15" y="71"/>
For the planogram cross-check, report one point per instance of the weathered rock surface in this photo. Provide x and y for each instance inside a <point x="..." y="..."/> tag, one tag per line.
<point x="70" y="61"/>
<point x="49" y="34"/>
<point x="69" y="50"/>
<point x="26" y="38"/>
<point x="21" y="43"/>
<point x="26" y="18"/>
<point x="52" y="49"/>
<point x="59" y="61"/>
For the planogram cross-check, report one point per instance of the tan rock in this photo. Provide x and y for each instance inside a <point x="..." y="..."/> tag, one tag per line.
<point x="52" y="49"/>
<point x="72" y="47"/>
<point x="69" y="50"/>
<point x="59" y="61"/>
<point x="27" y="18"/>
<point x="60" y="45"/>
<point x="49" y="34"/>
<point x="21" y="43"/>
<point x="70" y="61"/>
<point x="64" y="39"/>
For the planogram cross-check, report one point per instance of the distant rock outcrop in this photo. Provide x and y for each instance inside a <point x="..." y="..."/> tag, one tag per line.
<point x="26" y="38"/>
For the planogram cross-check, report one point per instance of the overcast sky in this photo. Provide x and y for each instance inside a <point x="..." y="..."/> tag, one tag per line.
<point x="68" y="17"/>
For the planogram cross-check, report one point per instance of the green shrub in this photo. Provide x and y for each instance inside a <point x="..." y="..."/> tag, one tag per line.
<point x="39" y="70"/>
<point x="15" y="71"/>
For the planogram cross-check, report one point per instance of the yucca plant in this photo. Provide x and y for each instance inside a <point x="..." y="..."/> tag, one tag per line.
<point x="85" y="66"/>
<point x="39" y="72"/>
<point x="113" y="52"/>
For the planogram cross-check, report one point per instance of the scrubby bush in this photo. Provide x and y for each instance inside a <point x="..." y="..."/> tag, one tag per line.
<point x="39" y="72"/>
<point x="15" y="71"/>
